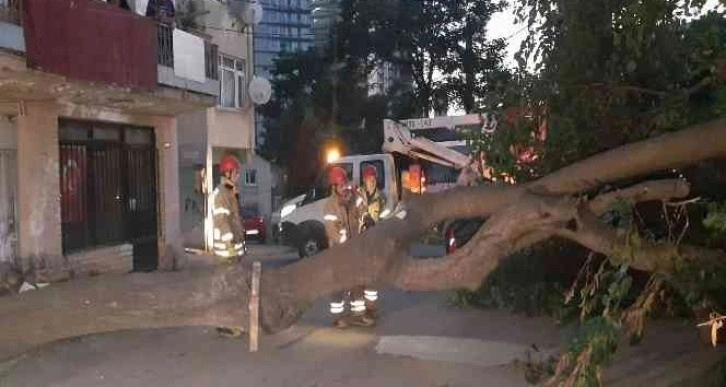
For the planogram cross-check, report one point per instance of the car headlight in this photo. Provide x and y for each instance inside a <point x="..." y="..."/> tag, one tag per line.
<point x="287" y="210"/>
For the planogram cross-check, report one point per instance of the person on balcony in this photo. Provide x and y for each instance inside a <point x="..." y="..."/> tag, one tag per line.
<point x="123" y="4"/>
<point x="162" y="11"/>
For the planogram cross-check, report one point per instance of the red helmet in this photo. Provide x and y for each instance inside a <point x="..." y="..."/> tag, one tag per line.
<point x="228" y="163"/>
<point x="337" y="176"/>
<point x="370" y="171"/>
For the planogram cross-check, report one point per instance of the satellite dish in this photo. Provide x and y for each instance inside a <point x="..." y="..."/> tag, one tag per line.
<point x="252" y="13"/>
<point x="260" y="90"/>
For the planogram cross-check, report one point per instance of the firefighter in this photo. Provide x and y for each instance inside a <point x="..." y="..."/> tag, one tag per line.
<point x="373" y="202"/>
<point x="342" y="221"/>
<point x="228" y="233"/>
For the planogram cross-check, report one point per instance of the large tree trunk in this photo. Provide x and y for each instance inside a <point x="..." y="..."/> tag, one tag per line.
<point x="519" y="217"/>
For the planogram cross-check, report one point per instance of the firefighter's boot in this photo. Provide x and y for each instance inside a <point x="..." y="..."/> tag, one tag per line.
<point x="371" y="298"/>
<point x="337" y="309"/>
<point x="359" y="317"/>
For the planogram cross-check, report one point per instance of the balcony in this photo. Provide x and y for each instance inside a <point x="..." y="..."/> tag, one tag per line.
<point x="11" y="34"/>
<point x="91" y="41"/>
<point x="90" y="52"/>
<point x="11" y="11"/>
<point x="187" y="61"/>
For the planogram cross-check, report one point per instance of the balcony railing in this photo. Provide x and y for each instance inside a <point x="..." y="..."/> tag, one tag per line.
<point x="166" y="52"/>
<point x="11" y="11"/>
<point x="165" y="36"/>
<point x="211" y="60"/>
<point x="101" y="42"/>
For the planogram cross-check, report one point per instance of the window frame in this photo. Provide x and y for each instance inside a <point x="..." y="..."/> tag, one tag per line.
<point x="238" y="68"/>
<point x="250" y="182"/>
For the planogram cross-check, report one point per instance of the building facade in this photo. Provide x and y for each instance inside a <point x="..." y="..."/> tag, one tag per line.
<point x="225" y="128"/>
<point x="90" y="95"/>
<point x="286" y="26"/>
<point x="324" y="14"/>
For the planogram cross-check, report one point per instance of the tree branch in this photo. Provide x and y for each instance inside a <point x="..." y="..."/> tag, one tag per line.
<point x="109" y="303"/>
<point x="532" y="219"/>
<point x="520" y="215"/>
<point x="498" y="237"/>
<point x="643" y="192"/>
<point x="672" y="150"/>
<point x="622" y="247"/>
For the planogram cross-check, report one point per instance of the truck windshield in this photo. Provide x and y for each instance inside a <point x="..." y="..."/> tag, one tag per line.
<point x="321" y="188"/>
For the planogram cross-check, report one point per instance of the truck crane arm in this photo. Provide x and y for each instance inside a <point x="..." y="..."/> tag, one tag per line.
<point x="398" y="138"/>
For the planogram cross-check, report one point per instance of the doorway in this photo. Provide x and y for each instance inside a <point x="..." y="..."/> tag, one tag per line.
<point x="108" y="181"/>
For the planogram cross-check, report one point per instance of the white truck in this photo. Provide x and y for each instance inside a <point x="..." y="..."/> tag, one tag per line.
<point x="437" y="143"/>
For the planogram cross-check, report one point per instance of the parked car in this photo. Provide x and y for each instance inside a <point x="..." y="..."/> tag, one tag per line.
<point x="254" y="224"/>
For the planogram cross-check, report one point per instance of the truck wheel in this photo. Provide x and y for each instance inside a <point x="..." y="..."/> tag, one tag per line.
<point x="309" y="245"/>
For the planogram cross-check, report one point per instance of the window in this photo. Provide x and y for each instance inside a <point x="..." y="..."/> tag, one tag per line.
<point x="251" y="177"/>
<point x="232" y="82"/>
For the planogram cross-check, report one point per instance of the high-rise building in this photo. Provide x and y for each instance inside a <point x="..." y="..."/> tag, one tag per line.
<point x="324" y="13"/>
<point x="285" y="27"/>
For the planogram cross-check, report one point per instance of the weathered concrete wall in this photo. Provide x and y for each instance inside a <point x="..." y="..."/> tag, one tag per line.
<point x="231" y="128"/>
<point x="104" y="260"/>
<point x="8" y="134"/>
<point x="260" y="194"/>
<point x="192" y="135"/>
<point x="39" y="231"/>
<point x="171" y="251"/>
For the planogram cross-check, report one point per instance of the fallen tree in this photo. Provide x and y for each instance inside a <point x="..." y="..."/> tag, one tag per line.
<point x="519" y="216"/>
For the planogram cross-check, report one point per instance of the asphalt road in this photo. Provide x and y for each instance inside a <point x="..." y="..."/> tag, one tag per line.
<point x="420" y="340"/>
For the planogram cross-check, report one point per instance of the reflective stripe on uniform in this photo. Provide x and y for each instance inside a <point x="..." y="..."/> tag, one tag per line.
<point x="222" y="253"/>
<point x="220" y="246"/>
<point x="330" y="217"/>
<point x="337" y="307"/>
<point x="217" y="233"/>
<point x="357" y="306"/>
<point x="371" y="295"/>
<point x="221" y="211"/>
<point x="359" y="201"/>
<point x="227" y="237"/>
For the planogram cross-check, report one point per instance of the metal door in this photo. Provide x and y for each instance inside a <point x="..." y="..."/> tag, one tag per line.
<point x="141" y="215"/>
<point x="8" y="186"/>
<point x="108" y="189"/>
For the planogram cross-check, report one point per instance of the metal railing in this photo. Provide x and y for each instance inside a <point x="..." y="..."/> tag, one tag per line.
<point x="165" y="36"/>
<point x="211" y="60"/>
<point x="11" y="11"/>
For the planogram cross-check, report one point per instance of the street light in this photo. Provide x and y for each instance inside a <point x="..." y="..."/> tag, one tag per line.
<point x="332" y="154"/>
